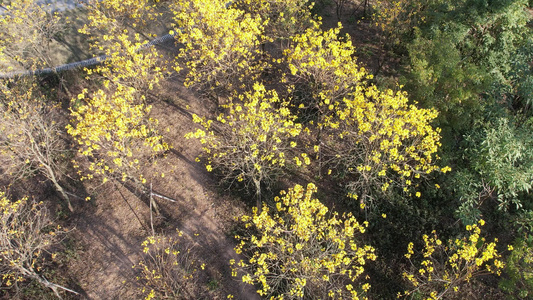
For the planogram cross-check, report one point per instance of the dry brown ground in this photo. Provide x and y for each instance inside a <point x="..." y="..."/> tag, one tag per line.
<point x="110" y="228"/>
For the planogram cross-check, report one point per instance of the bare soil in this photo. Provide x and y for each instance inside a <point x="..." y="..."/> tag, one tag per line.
<point x="110" y="228"/>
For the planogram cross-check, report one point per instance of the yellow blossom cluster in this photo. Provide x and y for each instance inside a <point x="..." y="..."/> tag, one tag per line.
<point x="221" y="44"/>
<point x="375" y="136"/>
<point x="383" y="141"/>
<point x="444" y="268"/>
<point x="168" y="268"/>
<point x="109" y="17"/>
<point x="301" y="250"/>
<point x="285" y="17"/>
<point x="326" y="63"/>
<point x="114" y="29"/>
<point x="27" y="29"/>
<point x="126" y="65"/>
<point x="112" y="128"/>
<point x="252" y="142"/>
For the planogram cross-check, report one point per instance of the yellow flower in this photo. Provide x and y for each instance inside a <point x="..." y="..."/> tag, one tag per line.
<point x="446" y="169"/>
<point x="366" y="287"/>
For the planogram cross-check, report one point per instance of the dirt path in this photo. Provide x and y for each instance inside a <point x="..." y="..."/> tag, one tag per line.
<point x="203" y="212"/>
<point x="112" y="226"/>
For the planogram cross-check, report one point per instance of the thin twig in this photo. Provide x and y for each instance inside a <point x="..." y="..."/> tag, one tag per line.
<point x="54" y="285"/>
<point x="161" y="196"/>
<point x="151" y="214"/>
<point x="131" y="208"/>
<point x="74" y="195"/>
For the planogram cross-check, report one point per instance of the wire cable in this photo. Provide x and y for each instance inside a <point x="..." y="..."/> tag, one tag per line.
<point x="81" y="64"/>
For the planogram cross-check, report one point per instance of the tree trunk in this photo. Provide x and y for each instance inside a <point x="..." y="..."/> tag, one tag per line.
<point x="58" y="187"/>
<point x="258" y="203"/>
<point x="64" y="194"/>
<point x="30" y="273"/>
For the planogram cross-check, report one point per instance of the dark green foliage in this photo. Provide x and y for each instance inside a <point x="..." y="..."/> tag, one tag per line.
<point x="472" y="60"/>
<point x="505" y="160"/>
<point x="497" y="166"/>
<point x="466" y="53"/>
<point x="518" y="282"/>
<point x="521" y="78"/>
<point x="439" y="78"/>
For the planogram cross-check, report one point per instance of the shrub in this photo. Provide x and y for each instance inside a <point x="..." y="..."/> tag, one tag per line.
<point x="300" y="251"/>
<point x="443" y="269"/>
<point x="518" y="282"/>
<point x="168" y="269"/>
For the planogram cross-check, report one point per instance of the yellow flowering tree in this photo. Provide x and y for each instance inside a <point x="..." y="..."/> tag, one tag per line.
<point x="397" y="17"/>
<point x="169" y="269"/>
<point x="113" y="130"/>
<point x="326" y="64"/>
<point x="119" y="29"/>
<point x="129" y="66"/>
<point x="252" y="142"/>
<point x="285" y="17"/>
<point x="27" y="30"/>
<point x="221" y="45"/>
<point x="373" y="138"/>
<point x="444" y="268"/>
<point x="301" y="251"/>
<point x="379" y="141"/>
<point x="25" y="233"/>
<point x="125" y="135"/>
<point x="110" y="17"/>
<point x="323" y="71"/>
<point x="33" y="138"/>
